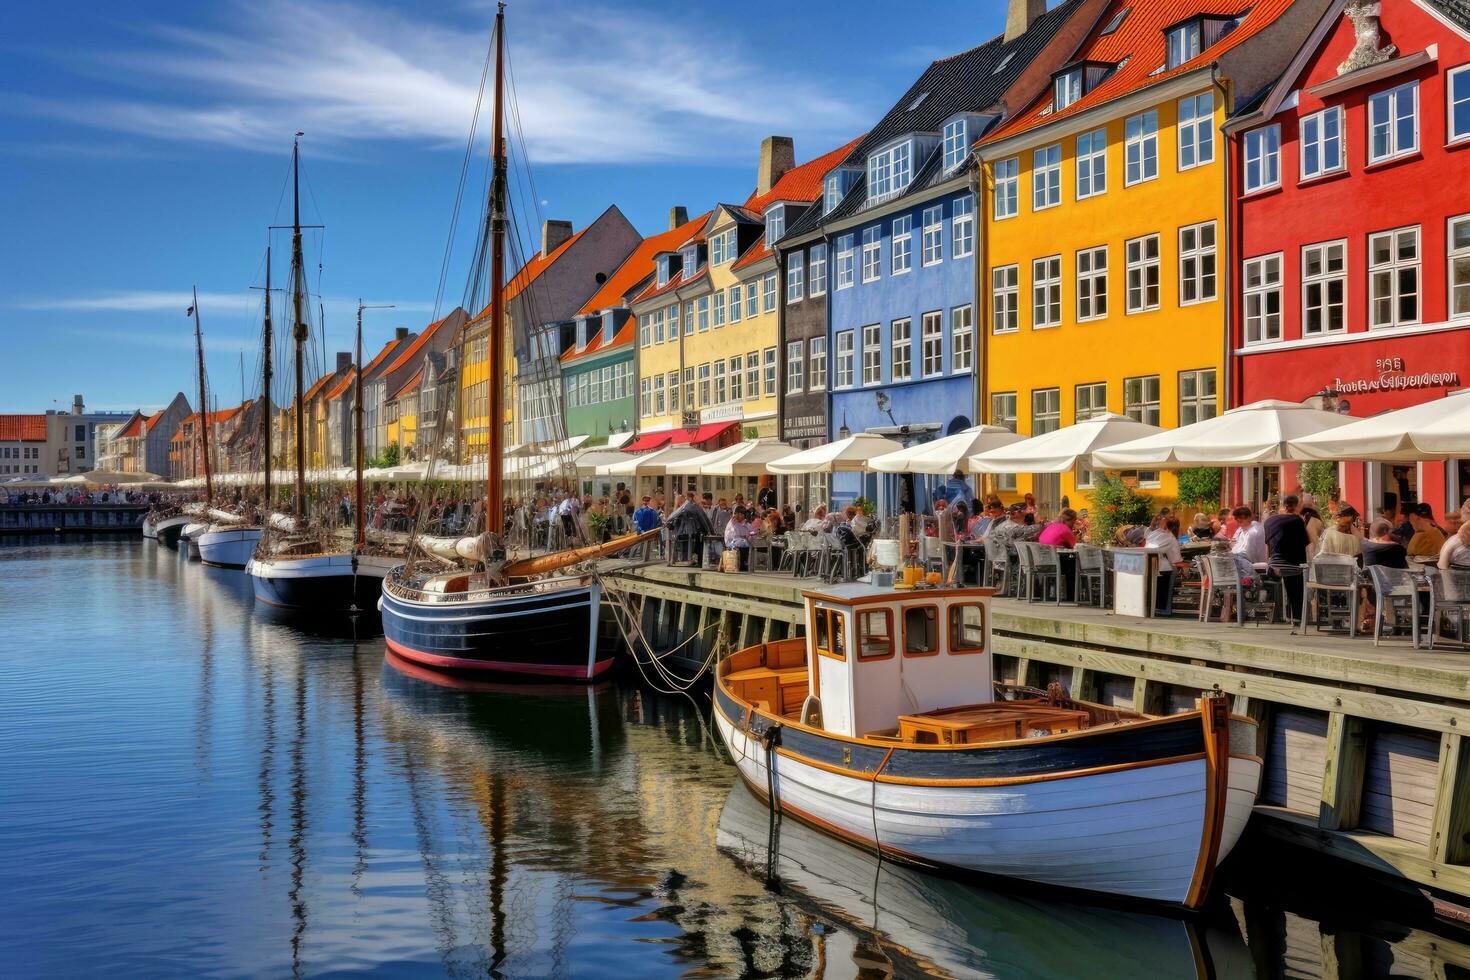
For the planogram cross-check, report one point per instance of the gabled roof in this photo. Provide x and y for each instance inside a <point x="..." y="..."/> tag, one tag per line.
<point x="595" y="345"/>
<point x="407" y="353"/>
<point x="640" y="265"/>
<point x="534" y="267"/>
<point x="151" y="421"/>
<point x="674" y="283"/>
<point x="799" y="185"/>
<point x="317" y="386"/>
<point x="409" y="385"/>
<point x="23" y="428"/>
<point x="380" y="363"/>
<point x="1139" y="50"/>
<point x="340" y="387"/>
<point x="133" y="428"/>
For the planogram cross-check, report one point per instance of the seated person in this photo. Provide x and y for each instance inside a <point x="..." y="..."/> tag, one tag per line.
<point x="1383" y="547"/>
<point x="1428" y="539"/>
<point x="1163" y="537"/>
<point x="1059" y="533"/>
<point x="1342" y="537"/>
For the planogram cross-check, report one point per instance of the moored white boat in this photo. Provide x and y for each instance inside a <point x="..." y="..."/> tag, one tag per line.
<point x="337" y="582"/>
<point x="227" y="545"/>
<point x="896" y="742"/>
<point x="189" y="538"/>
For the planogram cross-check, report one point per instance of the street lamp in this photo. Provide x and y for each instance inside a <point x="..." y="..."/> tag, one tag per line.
<point x="885" y="404"/>
<point x="844" y="432"/>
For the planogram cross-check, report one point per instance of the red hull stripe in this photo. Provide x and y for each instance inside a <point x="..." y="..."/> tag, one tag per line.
<point x="499" y="666"/>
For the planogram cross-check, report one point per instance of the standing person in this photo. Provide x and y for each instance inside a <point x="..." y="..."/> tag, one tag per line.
<point x="720" y="516"/>
<point x="1286" y="540"/>
<point x="646" y="518"/>
<point x="943" y="520"/>
<point x="738" y="533"/>
<point x="766" y="498"/>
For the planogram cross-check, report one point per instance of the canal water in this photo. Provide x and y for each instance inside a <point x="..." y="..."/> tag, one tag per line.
<point x="191" y="787"/>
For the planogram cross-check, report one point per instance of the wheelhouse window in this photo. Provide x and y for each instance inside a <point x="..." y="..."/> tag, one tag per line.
<point x="1196" y="130"/>
<point x="1324" y="288"/>
<point x="1263" y="299"/>
<point x="1262" y="158"/>
<point x="1393" y="277"/>
<point x="967" y="628"/>
<point x="1393" y="122"/>
<point x="1092" y="163"/>
<point x="1005" y="298"/>
<point x="1321" y="140"/>
<point x="920" y="631"/>
<point x="1007" y="186"/>
<point x="1046" y="177"/>
<point x="828" y="627"/>
<point x="875" y="634"/>
<point x="1141" y="147"/>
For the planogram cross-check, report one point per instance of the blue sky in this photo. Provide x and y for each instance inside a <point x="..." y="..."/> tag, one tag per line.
<point x="144" y="146"/>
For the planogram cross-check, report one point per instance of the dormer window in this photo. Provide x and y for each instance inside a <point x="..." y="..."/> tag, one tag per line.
<point x="717" y="249"/>
<point x="663" y="270"/>
<point x="582" y="334"/>
<point x="607" y="327"/>
<point x="918" y="101"/>
<point x="956" y="143"/>
<point x="889" y="171"/>
<point x="1067" y="88"/>
<point x="1184" y="43"/>
<point x="691" y="260"/>
<point x="775" y="224"/>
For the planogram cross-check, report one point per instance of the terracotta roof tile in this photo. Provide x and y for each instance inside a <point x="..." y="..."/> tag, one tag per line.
<point x="803" y="183"/>
<point x="341" y="386"/>
<point x="410" y="385"/>
<point x="317" y="386"/>
<point x="133" y="429"/>
<point x="23" y="428"/>
<point x="151" y="421"/>
<point x="640" y="265"/>
<point x="418" y="343"/>
<point x="382" y="356"/>
<point x="623" y="337"/>
<point x="674" y="283"/>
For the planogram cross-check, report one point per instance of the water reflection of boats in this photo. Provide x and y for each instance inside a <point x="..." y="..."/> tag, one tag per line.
<point x="915" y="923"/>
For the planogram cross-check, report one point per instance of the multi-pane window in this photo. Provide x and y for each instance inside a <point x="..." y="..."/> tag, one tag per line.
<point x="902" y="338"/>
<point x="889" y="171"/>
<point x="775" y="224"/>
<point x="752" y="299"/>
<point x="673" y="391"/>
<point x="768" y="370"/>
<point x="737" y="378"/>
<point x="734" y="303"/>
<point x="1321" y="143"/>
<point x="934" y="234"/>
<point x="1196" y="130"/>
<point x="844" y="262"/>
<point x="719" y="304"/>
<point x="1046" y="292"/>
<point x="768" y="292"/>
<point x="871" y="249"/>
<point x="688" y="388"/>
<point x="1141" y="147"/>
<point x="1324" y="288"/>
<point x="717" y="249"/>
<point x="1092" y="283"/>
<point x="1184" y="44"/>
<point x="933" y="344"/>
<point x="1458" y="241"/>
<point x="1091" y="400"/>
<point x="645" y="397"/>
<point x="1197" y="263"/>
<point x="1142" y="267"/>
<point x="1457" y="83"/>
<point x="817" y="269"/>
<point x="1141" y="399"/>
<point x="689" y="318"/>
<point x="819" y="363"/>
<point x="1262" y="158"/>
<point x="962" y="338"/>
<point x="1005" y="292"/>
<point x="1196" y="396"/>
<point x="795" y="277"/>
<point x="1046" y="410"/>
<point x="901" y="251"/>
<point x="844" y="354"/>
<point x="658" y="326"/>
<point x="1092" y="163"/>
<point x="1393" y="277"/>
<point x="704" y="384"/>
<point x="645" y="329"/>
<point x="1393" y="122"/>
<point x="872" y="354"/>
<point x="1007" y="185"/>
<point x="1067" y="88"/>
<point x="962" y="227"/>
<point x="753" y="375"/>
<point x="1003" y="409"/>
<point x="719" y="382"/>
<point x="1046" y="177"/>
<point x="1262" y="284"/>
<point x="658" y="395"/>
<point x="955" y="143"/>
<point x="703" y="313"/>
<point x="795" y="366"/>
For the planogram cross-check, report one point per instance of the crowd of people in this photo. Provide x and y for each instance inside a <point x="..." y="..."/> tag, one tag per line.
<point x="78" y="495"/>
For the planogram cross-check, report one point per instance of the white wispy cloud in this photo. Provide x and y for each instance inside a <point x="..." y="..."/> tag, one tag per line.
<point x="591" y="85"/>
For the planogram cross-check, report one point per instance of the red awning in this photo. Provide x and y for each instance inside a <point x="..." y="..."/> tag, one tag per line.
<point x="654" y="440"/>
<point x="705" y="433"/>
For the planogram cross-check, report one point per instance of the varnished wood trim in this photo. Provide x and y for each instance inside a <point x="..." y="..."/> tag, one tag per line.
<point x="863" y="600"/>
<point x="1215" y="717"/>
<point x="1040" y="777"/>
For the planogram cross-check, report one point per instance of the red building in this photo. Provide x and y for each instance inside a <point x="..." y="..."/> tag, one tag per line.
<point x="1350" y="180"/>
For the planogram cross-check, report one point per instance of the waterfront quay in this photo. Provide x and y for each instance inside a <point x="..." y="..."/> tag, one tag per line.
<point x="1364" y="746"/>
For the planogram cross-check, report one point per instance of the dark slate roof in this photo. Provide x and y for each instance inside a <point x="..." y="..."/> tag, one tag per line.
<point x="809" y="221"/>
<point x="1456" y="10"/>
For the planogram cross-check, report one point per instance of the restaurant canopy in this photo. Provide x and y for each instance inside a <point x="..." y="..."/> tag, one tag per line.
<point x="948" y="455"/>
<point x="746" y="458"/>
<point x="1257" y="434"/>
<point x="850" y="455"/>
<point x="649" y="464"/>
<point x="1433" y="430"/>
<point x="1064" y="449"/>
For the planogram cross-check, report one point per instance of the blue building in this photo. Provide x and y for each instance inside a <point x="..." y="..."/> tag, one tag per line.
<point x="901" y="234"/>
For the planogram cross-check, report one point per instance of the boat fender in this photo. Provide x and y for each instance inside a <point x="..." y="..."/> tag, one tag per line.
<point x="811" y="711"/>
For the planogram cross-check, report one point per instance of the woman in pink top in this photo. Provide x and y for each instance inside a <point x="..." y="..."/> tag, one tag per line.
<point x="1058" y="533"/>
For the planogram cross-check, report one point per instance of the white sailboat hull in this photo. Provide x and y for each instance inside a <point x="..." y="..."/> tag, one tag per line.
<point x="189" y="539"/>
<point x="227" y="547"/>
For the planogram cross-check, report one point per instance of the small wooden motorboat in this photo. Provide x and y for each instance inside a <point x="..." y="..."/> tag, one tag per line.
<point x="882" y="726"/>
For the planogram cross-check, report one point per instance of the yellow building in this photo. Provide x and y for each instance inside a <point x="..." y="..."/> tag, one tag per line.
<point x="1105" y="236"/>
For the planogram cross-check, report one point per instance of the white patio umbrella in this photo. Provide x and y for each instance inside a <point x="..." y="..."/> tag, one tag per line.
<point x="746" y="458"/>
<point x="944" y="456"/>
<point x="689" y="465"/>
<point x="1257" y="434"/>
<point x="649" y="464"/>
<point x="1064" y="449"/>
<point x="851" y="455"/>
<point x="1434" y="430"/>
<point x="589" y="461"/>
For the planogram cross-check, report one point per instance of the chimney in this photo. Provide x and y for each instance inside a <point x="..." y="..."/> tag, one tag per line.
<point x="677" y="216"/>
<point x="344" y="360"/>
<point x="1021" y="16"/>
<point x="778" y="155"/>
<point x="78" y="407"/>
<point x="400" y="332"/>
<point x="553" y="233"/>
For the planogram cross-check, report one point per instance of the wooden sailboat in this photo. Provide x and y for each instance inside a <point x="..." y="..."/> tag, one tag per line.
<point x="882" y="727"/>
<point x="460" y="606"/>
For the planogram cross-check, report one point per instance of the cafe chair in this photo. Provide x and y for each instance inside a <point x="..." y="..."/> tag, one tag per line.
<point x="1331" y="590"/>
<point x="1449" y="594"/>
<point x="714" y="551"/>
<point x="1092" y="576"/>
<point x="1224" y="580"/>
<point x="1395" y="593"/>
<point x="931" y="553"/>
<point x="1044" y="570"/>
<point x="997" y="571"/>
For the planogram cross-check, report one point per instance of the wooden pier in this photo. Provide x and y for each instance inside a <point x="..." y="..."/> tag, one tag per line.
<point x="72" y="518"/>
<point x="1365" y="747"/>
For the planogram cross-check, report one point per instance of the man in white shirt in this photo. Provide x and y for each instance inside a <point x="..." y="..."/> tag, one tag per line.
<point x="1248" y="539"/>
<point x="1166" y="542"/>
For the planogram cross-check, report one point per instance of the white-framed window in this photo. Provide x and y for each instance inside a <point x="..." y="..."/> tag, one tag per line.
<point x="795" y="277"/>
<point x="658" y="326"/>
<point x="933" y="364"/>
<point x="1457" y="242"/>
<point x="901" y="249"/>
<point x="1091" y="401"/>
<point x="663" y="270"/>
<point x="753" y="375"/>
<point x="1324" y="288"/>
<point x="1197" y="273"/>
<point x="1141" y="147"/>
<point x="1046" y="410"/>
<point x="934" y="234"/>
<point x="704" y="383"/>
<point x="1007" y="187"/>
<point x="717" y="248"/>
<point x="1262" y="158"/>
<point x="1457" y="97"/>
<point x="719" y="304"/>
<point x="719" y="382"/>
<point x="688" y="388"/>
<point x="872" y="354"/>
<point x="673" y="319"/>
<point x="962" y="338"/>
<point x="1005" y="293"/>
<point x="818" y="360"/>
<point x="1262" y="286"/>
<point x="645" y="329"/>
<point x="1196" y="130"/>
<point x="844" y="262"/>
<point x="690" y="261"/>
<point x="956" y="145"/>
<point x="889" y="171"/>
<point x="768" y="371"/>
<point x="775" y="224"/>
<point x="658" y="395"/>
<point x="844" y="354"/>
<point x="1184" y="43"/>
<point x="1046" y="292"/>
<point x="1092" y="283"/>
<point x="1092" y="163"/>
<point x="673" y="387"/>
<point x="1322" y="143"/>
<point x="645" y="397"/>
<point x="872" y="250"/>
<point x="962" y="227"/>
<point x="1141" y="261"/>
<point x="817" y="269"/>
<point x="737" y="378"/>
<point x="733" y="305"/>
<point x="1003" y="409"/>
<point x="1046" y="177"/>
<point x="1393" y="122"/>
<point x="901" y="336"/>
<point x="832" y="191"/>
<point x="689" y="318"/>
<point x="795" y="366"/>
<point x="1067" y="88"/>
<point x="1393" y="277"/>
<point x="1141" y="399"/>
<point x="1197" y="396"/>
<point x="752" y="299"/>
<point x="768" y="292"/>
